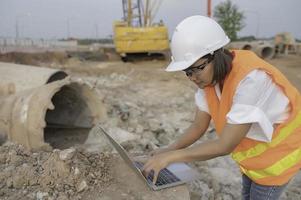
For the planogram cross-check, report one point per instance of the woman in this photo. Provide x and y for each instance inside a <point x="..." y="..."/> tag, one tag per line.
<point x="255" y="110"/>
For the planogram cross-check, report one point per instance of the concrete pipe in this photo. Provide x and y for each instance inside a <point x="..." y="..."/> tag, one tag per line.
<point x="49" y="115"/>
<point x="265" y="51"/>
<point x="239" y="45"/>
<point x="25" y="76"/>
<point x="247" y="47"/>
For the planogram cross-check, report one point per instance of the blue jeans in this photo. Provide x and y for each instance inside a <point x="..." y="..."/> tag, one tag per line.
<point x="254" y="191"/>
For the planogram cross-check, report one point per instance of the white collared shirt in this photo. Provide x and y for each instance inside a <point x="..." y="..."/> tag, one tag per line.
<point x="257" y="100"/>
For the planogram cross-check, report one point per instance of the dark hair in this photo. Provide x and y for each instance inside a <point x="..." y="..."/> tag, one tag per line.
<point x="222" y="64"/>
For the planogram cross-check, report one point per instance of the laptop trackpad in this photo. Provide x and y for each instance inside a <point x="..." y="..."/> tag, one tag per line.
<point x="183" y="171"/>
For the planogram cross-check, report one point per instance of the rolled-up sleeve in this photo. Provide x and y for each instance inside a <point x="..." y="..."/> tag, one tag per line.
<point x="258" y="100"/>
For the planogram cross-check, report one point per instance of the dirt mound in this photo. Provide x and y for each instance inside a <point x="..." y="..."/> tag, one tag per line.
<point x="37" y="59"/>
<point x="68" y="174"/>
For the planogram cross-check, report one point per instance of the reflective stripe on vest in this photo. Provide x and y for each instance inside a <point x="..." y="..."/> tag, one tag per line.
<point x="276" y="169"/>
<point x="262" y="147"/>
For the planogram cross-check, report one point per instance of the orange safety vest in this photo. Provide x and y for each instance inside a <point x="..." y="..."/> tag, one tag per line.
<point x="272" y="163"/>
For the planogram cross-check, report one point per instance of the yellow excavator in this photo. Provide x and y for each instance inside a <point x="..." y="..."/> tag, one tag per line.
<point x="137" y="33"/>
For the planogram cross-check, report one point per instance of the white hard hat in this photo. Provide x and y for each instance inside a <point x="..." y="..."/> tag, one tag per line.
<point x="193" y="38"/>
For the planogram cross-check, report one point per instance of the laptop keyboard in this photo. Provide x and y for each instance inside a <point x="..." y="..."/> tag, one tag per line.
<point x="164" y="176"/>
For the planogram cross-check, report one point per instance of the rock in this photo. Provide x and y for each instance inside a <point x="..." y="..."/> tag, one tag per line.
<point x="9" y="183"/>
<point x="82" y="186"/>
<point x="62" y="196"/>
<point x="56" y="151"/>
<point x="92" y="175"/>
<point x="19" y="182"/>
<point x="14" y="159"/>
<point x="122" y="111"/>
<point x="150" y="114"/>
<point x="121" y="135"/>
<point x="76" y="171"/>
<point x="131" y="129"/>
<point x="139" y="129"/>
<point x="66" y="187"/>
<point x="97" y="141"/>
<point x="154" y="125"/>
<point x="164" y="138"/>
<point x="2" y="158"/>
<point x="41" y="195"/>
<point x="67" y="154"/>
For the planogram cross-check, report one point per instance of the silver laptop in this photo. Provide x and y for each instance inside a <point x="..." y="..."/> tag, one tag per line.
<point x="173" y="175"/>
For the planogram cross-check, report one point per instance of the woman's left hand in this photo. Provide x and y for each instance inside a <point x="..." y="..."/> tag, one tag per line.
<point x="156" y="163"/>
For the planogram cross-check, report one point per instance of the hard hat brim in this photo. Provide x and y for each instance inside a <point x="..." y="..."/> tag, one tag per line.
<point x="180" y="65"/>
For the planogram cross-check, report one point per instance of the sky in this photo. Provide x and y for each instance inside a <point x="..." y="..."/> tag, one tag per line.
<point x="55" y="19"/>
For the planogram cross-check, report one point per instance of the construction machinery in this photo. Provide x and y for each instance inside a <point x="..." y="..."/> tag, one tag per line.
<point x="137" y="33"/>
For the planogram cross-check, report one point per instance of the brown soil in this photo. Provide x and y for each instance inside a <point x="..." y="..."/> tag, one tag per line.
<point x="36" y="59"/>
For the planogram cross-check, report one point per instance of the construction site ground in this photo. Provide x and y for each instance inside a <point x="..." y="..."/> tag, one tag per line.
<point x="147" y="108"/>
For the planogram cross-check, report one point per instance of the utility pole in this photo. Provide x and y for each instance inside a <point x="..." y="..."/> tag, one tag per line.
<point x="146" y="13"/>
<point x="209" y="8"/>
<point x="130" y="13"/>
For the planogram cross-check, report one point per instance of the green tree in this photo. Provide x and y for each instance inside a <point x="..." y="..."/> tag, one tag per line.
<point x="230" y="18"/>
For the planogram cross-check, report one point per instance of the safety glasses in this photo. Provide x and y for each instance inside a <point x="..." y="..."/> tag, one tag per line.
<point x="191" y="70"/>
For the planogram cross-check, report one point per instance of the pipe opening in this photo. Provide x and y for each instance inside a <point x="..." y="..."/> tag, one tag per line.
<point x="247" y="47"/>
<point x="267" y="52"/>
<point x="60" y="75"/>
<point x="70" y="121"/>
